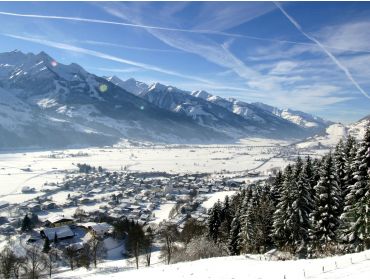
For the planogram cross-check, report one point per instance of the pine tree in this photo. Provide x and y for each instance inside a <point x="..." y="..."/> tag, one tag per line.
<point x="340" y="166"/>
<point x="357" y="210"/>
<point x="234" y="242"/>
<point x="226" y="217"/>
<point x="26" y="224"/>
<point x="350" y="166"/>
<point x="214" y="221"/>
<point x="276" y="187"/>
<point x="301" y="208"/>
<point x="46" y="247"/>
<point x="282" y="226"/>
<point x="325" y="216"/>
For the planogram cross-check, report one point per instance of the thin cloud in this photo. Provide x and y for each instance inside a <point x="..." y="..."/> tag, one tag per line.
<point x="76" y="49"/>
<point x="151" y="27"/>
<point x="107" y="44"/>
<point x="328" y="53"/>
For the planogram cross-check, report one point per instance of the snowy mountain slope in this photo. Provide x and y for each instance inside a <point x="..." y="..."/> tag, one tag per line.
<point x="67" y="105"/>
<point x="358" y="129"/>
<point x="297" y="117"/>
<point x="130" y="85"/>
<point x="219" y="113"/>
<point x="351" y="266"/>
<point x="254" y="111"/>
<point x="329" y="139"/>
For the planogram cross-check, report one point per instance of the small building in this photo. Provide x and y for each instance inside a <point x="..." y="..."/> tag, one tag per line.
<point x="49" y="205"/>
<point x="100" y="229"/>
<point x="63" y="232"/>
<point x="28" y="189"/>
<point x="58" y="221"/>
<point x="34" y="207"/>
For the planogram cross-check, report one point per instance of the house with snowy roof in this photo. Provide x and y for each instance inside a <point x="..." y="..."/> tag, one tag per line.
<point x="63" y="232"/>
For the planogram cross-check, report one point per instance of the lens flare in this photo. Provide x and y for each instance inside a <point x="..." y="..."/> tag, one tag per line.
<point x="54" y="63"/>
<point x="142" y="108"/>
<point x="103" y="88"/>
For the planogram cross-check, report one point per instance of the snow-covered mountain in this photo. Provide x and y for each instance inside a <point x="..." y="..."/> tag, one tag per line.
<point x="130" y="85"/>
<point x="44" y="103"/>
<point x="218" y="113"/>
<point x="254" y="110"/>
<point x="358" y="129"/>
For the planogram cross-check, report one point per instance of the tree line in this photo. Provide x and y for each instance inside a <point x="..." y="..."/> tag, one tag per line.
<point x="314" y="207"/>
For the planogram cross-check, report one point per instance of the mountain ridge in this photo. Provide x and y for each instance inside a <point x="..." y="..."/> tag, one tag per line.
<point x="46" y="103"/>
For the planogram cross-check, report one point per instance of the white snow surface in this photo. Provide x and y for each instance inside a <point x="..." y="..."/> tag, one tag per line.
<point x="251" y="267"/>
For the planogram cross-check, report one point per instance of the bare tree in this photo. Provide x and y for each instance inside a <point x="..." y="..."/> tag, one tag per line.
<point x="51" y="259"/>
<point x="35" y="263"/>
<point x="96" y="249"/>
<point x="148" y="244"/>
<point x="70" y="253"/>
<point x="135" y="242"/>
<point x="10" y="264"/>
<point x="169" y="234"/>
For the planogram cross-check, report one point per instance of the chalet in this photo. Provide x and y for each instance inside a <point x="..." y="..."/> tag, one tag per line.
<point x="99" y="229"/>
<point x="63" y="232"/>
<point x="57" y="221"/>
<point x="49" y="206"/>
<point x="34" y="207"/>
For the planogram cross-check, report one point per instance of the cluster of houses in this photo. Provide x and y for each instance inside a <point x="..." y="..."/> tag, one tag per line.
<point x="65" y="231"/>
<point x="118" y="195"/>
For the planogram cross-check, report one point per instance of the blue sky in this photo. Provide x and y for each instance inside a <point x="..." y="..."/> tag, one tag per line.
<point x="311" y="56"/>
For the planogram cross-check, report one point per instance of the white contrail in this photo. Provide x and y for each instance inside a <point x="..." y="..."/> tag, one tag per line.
<point x="331" y="56"/>
<point x="68" y="47"/>
<point x="197" y="31"/>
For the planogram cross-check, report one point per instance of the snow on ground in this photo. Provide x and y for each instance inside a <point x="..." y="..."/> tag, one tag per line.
<point x="347" y="267"/>
<point x="35" y="168"/>
<point x="334" y="133"/>
<point x="163" y="212"/>
<point x="213" y="197"/>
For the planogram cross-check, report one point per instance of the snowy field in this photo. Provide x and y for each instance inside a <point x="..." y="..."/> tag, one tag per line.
<point x="38" y="169"/>
<point x="347" y="267"/>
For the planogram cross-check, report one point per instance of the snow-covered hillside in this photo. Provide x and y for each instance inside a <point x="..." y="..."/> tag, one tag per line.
<point x="130" y="85"/>
<point x="329" y="139"/>
<point x="348" y="267"/>
<point x="358" y="129"/>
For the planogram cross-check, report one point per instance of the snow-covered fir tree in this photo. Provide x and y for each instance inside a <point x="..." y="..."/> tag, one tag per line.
<point x="282" y="225"/>
<point x="235" y="242"/>
<point x="214" y="221"/>
<point x="340" y="166"/>
<point x="325" y="215"/>
<point x="301" y="207"/>
<point x="357" y="210"/>
<point x="276" y="187"/>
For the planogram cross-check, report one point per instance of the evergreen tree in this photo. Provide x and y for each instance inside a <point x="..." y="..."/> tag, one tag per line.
<point x="214" y="221"/>
<point x="340" y="165"/>
<point x="357" y="209"/>
<point x="226" y="217"/>
<point x="26" y="224"/>
<point x="234" y="243"/>
<point x="46" y="247"/>
<point x="282" y="226"/>
<point x="325" y="216"/>
<point x="350" y="166"/>
<point x="301" y="209"/>
<point x="276" y="187"/>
